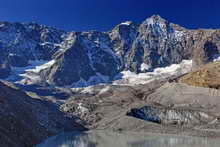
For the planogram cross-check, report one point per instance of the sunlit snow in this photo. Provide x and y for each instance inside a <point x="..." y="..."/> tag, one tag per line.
<point x="29" y="73"/>
<point x="94" y="80"/>
<point x="217" y="58"/>
<point x="126" y="23"/>
<point x="144" y="67"/>
<point x="131" y="78"/>
<point x="41" y="65"/>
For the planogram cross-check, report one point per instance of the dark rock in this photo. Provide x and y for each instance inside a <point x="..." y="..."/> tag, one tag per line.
<point x="17" y="61"/>
<point x="5" y="70"/>
<point x="26" y="121"/>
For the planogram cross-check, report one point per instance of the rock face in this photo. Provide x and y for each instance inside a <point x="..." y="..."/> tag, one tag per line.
<point x="29" y="41"/>
<point x="159" y="43"/>
<point x="207" y="48"/>
<point x="87" y="58"/>
<point x="26" y="121"/>
<point x="21" y="43"/>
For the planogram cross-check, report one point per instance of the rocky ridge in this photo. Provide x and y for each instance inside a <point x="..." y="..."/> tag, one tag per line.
<point x="88" y="58"/>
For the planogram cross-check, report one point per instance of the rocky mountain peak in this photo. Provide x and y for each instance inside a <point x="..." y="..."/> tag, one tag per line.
<point x="127" y="23"/>
<point x="155" y="20"/>
<point x="88" y="57"/>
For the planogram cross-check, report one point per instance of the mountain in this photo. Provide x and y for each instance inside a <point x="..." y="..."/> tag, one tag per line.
<point x="32" y="53"/>
<point x="148" y="66"/>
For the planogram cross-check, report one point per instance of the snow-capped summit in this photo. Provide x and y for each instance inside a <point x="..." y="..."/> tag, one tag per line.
<point x="127" y="23"/>
<point x="154" y="19"/>
<point x="86" y="58"/>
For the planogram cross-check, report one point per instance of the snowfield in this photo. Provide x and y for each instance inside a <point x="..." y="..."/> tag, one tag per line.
<point x="130" y="78"/>
<point x="216" y="58"/>
<point x="31" y="74"/>
<point x="126" y="23"/>
<point x="41" y="65"/>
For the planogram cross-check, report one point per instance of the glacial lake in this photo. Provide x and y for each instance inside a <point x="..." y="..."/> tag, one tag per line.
<point x="125" y="139"/>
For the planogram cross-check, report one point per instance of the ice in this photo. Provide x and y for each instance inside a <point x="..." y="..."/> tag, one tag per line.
<point x="41" y="66"/>
<point x="126" y="23"/>
<point x="178" y="35"/>
<point x="29" y="73"/>
<point x="12" y="54"/>
<point x="217" y="58"/>
<point x="81" y="108"/>
<point x="131" y="78"/>
<point x="2" y="25"/>
<point x="144" y="67"/>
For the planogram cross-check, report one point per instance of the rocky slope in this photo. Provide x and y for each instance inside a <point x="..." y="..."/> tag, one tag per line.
<point x="207" y="47"/>
<point x="87" y="58"/>
<point x="26" y="121"/>
<point x="160" y="106"/>
<point x="206" y="76"/>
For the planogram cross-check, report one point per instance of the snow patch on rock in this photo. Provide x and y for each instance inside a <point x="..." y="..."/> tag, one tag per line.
<point x="126" y="23"/>
<point x="94" y="89"/>
<point x="41" y="65"/>
<point x="94" y="80"/>
<point x="131" y="78"/>
<point x="82" y="108"/>
<point x="216" y="58"/>
<point x="144" y="67"/>
<point x="104" y="90"/>
<point x="178" y="35"/>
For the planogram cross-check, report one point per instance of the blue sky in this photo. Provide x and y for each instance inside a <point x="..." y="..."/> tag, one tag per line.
<point x="102" y="15"/>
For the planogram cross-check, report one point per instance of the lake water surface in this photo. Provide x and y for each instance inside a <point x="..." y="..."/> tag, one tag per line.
<point x="125" y="139"/>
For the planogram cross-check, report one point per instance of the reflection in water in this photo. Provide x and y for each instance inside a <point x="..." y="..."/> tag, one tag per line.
<point x="113" y="139"/>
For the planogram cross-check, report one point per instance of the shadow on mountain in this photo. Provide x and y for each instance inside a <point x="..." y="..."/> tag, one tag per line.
<point x="44" y="91"/>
